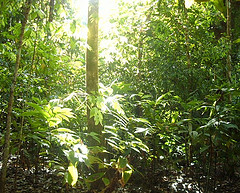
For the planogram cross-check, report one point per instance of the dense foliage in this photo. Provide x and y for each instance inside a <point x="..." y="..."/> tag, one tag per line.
<point x="166" y="100"/>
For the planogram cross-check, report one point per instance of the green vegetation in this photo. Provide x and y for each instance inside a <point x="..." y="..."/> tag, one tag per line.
<point x="148" y="101"/>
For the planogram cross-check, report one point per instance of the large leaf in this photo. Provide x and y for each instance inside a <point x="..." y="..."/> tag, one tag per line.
<point x="64" y="112"/>
<point x="141" y="130"/>
<point x="126" y="176"/>
<point x="64" y="130"/>
<point x="35" y="106"/>
<point x="97" y="114"/>
<point x="73" y="173"/>
<point x="30" y="113"/>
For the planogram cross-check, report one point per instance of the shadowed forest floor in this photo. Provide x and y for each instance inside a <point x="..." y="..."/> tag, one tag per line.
<point x="26" y="181"/>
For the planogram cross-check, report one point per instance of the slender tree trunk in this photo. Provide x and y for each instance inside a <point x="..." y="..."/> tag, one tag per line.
<point x="92" y="79"/>
<point x="51" y="4"/>
<point x="229" y="37"/>
<point x="235" y="25"/>
<point x="140" y="54"/>
<point x="190" y="83"/>
<point x="11" y="99"/>
<point x="92" y="63"/>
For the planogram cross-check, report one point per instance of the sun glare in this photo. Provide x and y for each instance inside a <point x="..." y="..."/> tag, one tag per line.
<point x="106" y="7"/>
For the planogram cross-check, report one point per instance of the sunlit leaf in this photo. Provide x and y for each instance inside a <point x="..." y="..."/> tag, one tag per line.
<point x="54" y="121"/>
<point x="126" y="176"/>
<point x="141" y="130"/>
<point x="159" y="100"/>
<point x="236" y="41"/>
<point x="188" y="3"/>
<point x="142" y="120"/>
<point x="40" y="13"/>
<point x="63" y="130"/>
<point x="74" y="174"/>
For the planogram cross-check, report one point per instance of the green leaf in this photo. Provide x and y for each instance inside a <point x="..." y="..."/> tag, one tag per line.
<point x="73" y="173"/>
<point x="68" y="178"/>
<point x="93" y="160"/>
<point x="111" y="132"/>
<point x="116" y="106"/>
<point x="56" y="109"/>
<point x="97" y="114"/>
<point x="63" y="111"/>
<point x="219" y="4"/>
<point x="35" y="106"/>
<point x="34" y="15"/>
<point x="114" y="145"/>
<point x="61" y="116"/>
<point x="122" y="162"/>
<point x="236" y="41"/>
<point x="140" y="145"/>
<point x="35" y="137"/>
<point x="65" y="130"/>
<point x="30" y="113"/>
<point x="54" y="121"/>
<point x="142" y="120"/>
<point x="126" y="176"/>
<point x="40" y="13"/>
<point x="194" y="134"/>
<point x="93" y="112"/>
<point x="71" y="157"/>
<point x="95" y="136"/>
<point x="159" y="100"/>
<point x="141" y="130"/>
<point x="106" y="181"/>
<point x="94" y="177"/>
<point x="229" y="125"/>
<point x="135" y="149"/>
<point x="204" y="148"/>
<point x="100" y="102"/>
<point x="73" y="26"/>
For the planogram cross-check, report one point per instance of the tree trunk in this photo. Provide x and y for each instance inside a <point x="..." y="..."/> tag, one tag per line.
<point x="229" y="37"/>
<point x="235" y="23"/>
<point x="11" y="99"/>
<point x="92" y="80"/>
<point x="92" y="64"/>
<point x="51" y="4"/>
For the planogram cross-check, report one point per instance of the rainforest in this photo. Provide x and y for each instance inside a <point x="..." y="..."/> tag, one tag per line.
<point x="124" y="96"/>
